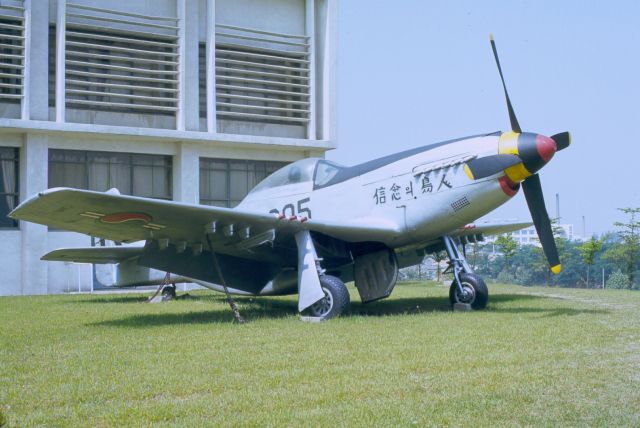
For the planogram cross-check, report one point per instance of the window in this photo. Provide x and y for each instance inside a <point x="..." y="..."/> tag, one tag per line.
<point x="325" y="171"/>
<point x="298" y="172"/>
<point x="118" y="61"/>
<point x="260" y="76"/>
<point x="225" y="182"/>
<point x="11" y="52"/>
<point x="131" y="174"/>
<point x="8" y="185"/>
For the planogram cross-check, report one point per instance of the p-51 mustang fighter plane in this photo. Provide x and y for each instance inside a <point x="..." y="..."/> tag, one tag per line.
<point x="314" y="224"/>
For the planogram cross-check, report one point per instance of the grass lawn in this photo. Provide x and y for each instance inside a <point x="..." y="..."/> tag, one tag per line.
<point x="536" y="356"/>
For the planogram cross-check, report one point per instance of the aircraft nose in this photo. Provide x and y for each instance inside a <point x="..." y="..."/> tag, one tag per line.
<point x="535" y="150"/>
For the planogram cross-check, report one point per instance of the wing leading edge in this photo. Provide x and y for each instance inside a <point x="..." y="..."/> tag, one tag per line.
<point x="490" y="229"/>
<point x="123" y="218"/>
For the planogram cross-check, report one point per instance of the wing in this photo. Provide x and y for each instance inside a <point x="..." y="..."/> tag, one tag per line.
<point x="124" y="218"/>
<point x="490" y="229"/>
<point x="97" y="255"/>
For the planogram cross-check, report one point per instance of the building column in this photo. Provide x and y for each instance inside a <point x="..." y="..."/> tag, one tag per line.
<point x="330" y="74"/>
<point x="33" y="179"/>
<point x="191" y="66"/>
<point x="38" y="51"/>
<point x="61" y="25"/>
<point x="186" y="174"/>
<point x="310" y="30"/>
<point x="210" y="66"/>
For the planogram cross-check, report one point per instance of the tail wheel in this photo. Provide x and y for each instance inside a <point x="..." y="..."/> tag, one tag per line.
<point x="474" y="291"/>
<point x="169" y="292"/>
<point x="335" y="301"/>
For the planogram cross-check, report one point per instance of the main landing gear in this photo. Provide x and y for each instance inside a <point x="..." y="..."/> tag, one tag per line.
<point x="467" y="287"/>
<point x="335" y="301"/>
<point x="321" y="296"/>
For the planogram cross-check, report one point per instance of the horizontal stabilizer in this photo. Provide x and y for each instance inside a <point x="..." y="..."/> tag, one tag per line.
<point x="96" y="255"/>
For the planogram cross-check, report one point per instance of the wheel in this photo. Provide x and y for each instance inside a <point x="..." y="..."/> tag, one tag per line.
<point x="169" y="292"/>
<point x="475" y="291"/>
<point x="336" y="300"/>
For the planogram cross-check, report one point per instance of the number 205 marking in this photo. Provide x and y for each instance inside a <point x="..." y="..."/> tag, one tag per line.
<point x="289" y="210"/>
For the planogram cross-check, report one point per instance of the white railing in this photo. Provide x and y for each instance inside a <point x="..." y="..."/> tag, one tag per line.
<point x="120" y="61"/>
<point x="13" y="55"/>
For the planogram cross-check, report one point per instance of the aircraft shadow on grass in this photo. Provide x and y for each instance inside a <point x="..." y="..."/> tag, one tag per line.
<point x="254" y="309"/>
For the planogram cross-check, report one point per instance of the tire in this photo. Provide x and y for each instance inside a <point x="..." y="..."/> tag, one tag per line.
<point x="168" y="292"/>
<point x="478" y="293"/>
<point x="336" y="301"/>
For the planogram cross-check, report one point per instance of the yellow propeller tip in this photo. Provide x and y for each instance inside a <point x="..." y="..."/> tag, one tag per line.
<point x="556" y="269"/>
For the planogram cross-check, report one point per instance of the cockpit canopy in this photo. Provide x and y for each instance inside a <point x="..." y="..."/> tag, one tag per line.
<point x="318" y="171"/>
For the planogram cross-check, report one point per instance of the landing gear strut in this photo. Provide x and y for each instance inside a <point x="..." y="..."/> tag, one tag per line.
<point x="467" y="287"/>
<point x="167" y="288"/>
<point x="323" y="296"/>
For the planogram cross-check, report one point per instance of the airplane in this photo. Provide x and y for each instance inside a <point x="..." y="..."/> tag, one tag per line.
<point x="314" y="224"/>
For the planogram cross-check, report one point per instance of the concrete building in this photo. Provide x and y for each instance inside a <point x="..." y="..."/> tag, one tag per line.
<point x="529" y="236"/>
<point x="190" y="100"/>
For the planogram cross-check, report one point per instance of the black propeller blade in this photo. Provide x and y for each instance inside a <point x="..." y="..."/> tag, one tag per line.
<point x="535" y="200"/>
<point x="490" y="165"/>
<point x="563" y="140"/>
<point x="531" y="185"/>
<point x="515" y="126"/>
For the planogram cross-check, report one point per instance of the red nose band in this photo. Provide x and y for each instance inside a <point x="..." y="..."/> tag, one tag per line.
<point x="546" y="147"/>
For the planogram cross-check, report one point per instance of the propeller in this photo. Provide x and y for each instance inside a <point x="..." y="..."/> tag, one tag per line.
<point x="563" y="140"/>
<point x="489" y="165"/>
<point x="535" y="200"/>
<point x="515" y="126"/>
<point x="534" y="151"/>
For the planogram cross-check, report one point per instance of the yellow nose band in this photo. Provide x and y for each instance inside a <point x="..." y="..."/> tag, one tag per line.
<point x="508" y="144"/>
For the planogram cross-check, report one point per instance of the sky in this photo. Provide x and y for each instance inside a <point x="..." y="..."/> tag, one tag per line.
<point x="416" y="72"/>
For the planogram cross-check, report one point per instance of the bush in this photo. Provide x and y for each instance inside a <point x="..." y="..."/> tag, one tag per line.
<point x="505" y="277"/>
<point x="618" y="280"/>
<point x="523" y="276"/>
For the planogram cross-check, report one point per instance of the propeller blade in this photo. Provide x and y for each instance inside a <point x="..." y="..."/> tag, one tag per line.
<point x="484" y="167"/>
<point x="563" y="140"/>
<point x="515" y="126"/>
<point x="535" y="200"/>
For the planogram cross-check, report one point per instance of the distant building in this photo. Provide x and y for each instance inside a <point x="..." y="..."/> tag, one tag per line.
<point x="529" y="236"/>
<point x="187" y="100"/>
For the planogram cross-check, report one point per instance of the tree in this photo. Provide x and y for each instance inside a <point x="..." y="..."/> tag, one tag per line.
<point x="572" y="274"/>
<point x="588" y="251"/>
<point x="627" y="252"/>
<point x="507" y="246"/>
<point x="531" y="266"/>
<point x="438" y="257"/>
